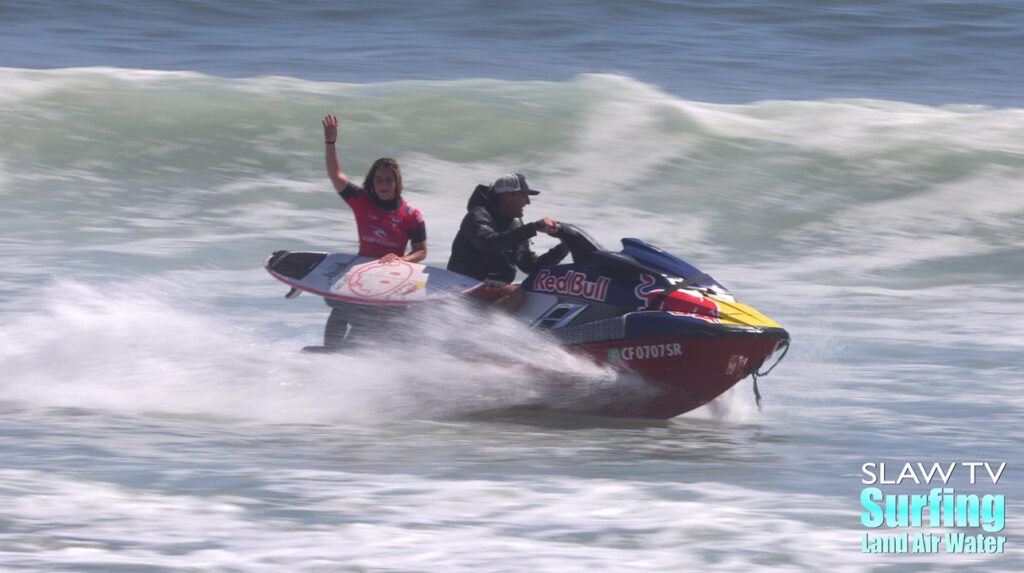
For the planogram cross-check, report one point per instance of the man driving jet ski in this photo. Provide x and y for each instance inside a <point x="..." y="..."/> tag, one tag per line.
<point x="493" y="241"/>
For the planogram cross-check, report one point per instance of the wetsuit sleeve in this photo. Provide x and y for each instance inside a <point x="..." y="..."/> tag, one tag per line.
<point x="484" y="237"/>
<point x="418" y="233"/>
<point x="350" y="191"/>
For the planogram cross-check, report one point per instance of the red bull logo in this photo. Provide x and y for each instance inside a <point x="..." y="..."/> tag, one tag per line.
<point x="677" y="301"/>
<point x="646" y="291"/>
<point x="573" y="284"/>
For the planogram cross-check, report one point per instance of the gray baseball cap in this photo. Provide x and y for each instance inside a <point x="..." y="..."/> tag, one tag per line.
<point x="513" y="182"/>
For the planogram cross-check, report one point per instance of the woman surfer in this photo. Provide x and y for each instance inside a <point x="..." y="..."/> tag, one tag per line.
<point x="385" y="223"/>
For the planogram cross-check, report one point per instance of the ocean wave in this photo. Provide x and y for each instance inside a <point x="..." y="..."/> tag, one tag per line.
<point x="849" y="188"/>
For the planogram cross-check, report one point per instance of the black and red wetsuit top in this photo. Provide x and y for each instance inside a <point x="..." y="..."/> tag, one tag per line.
<point x="383" y="226"/>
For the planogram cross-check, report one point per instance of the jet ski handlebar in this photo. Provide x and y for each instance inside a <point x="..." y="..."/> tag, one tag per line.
<point x="580" y="244"/>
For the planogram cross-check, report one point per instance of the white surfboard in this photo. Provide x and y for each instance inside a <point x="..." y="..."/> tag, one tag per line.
<point x="364" y="280"/>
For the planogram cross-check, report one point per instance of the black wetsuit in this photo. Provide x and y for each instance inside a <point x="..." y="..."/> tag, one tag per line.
<point x="490" y="246"/>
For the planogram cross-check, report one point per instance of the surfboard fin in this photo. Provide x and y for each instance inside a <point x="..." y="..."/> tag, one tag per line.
<point x="294" y="292"/>
<point x="323" y="349"/>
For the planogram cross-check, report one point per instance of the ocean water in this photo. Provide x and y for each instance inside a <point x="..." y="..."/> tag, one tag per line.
<point x="855" y="170"/>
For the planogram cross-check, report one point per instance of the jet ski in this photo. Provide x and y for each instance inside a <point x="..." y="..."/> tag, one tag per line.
<point x="646" y="312"/>
<point x="640" y="311"/>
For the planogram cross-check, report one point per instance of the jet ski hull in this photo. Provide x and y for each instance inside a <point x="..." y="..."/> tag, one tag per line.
<point x="684" y="372"/>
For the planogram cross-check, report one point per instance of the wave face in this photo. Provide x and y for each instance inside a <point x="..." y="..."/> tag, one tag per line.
<point x="181" y="167"/>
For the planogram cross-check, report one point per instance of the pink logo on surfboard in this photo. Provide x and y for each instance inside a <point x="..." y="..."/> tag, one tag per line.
<point x="373" y="280"/>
